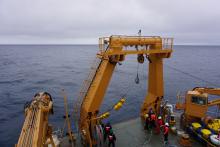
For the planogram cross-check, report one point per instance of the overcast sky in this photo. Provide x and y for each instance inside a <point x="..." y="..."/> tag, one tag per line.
<point x="84" y="21"/>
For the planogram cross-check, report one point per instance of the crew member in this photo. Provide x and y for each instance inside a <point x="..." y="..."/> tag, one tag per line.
<point x="166" y="131"/>
<point x="153" y="120"/>
<point x="218" y="137"/>
<point x="159" y="124"/>
<point x="107" y="130"/>
<point x="111" y="139"/>
<point x="147" y="121"/>
<point x="150" y="112"/>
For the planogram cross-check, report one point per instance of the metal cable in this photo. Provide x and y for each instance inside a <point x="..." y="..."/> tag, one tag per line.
<point x="191" y="75"/>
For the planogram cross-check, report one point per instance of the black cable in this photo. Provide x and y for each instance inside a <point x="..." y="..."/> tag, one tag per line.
<point x="190" y="75"/>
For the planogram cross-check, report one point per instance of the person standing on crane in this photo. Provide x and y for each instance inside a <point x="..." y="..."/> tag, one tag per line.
<point x="166" y="132"/>
<point x="111" y="139"/>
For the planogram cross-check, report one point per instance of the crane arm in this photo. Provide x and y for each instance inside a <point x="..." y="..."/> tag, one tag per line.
<point x="214" y="102"/>
<point x="212" y="91"/>
<point x="35" y="130"/>
<point x="108" y="59"/>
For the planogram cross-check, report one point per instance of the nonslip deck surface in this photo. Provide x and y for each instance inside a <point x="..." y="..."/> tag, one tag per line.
<point x="132" y="134"/>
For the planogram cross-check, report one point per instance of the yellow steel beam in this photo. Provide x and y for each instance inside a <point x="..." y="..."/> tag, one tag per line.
<point x="140" y="51"/>
<point x="214" y="102"/>
<point x="212" y="91"/>
<point x="34" y="131"/>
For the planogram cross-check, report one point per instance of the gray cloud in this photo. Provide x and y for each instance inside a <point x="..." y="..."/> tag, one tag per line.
<point x="83" y="21"/>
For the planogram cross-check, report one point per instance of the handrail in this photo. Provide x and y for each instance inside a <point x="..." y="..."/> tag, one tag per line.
<point x="167" y="43"/>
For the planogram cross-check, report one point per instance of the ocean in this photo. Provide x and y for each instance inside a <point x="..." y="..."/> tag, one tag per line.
<point x="28" y="69"/>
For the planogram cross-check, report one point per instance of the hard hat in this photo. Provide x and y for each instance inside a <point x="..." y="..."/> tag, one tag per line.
<point x="159" y="117"/>
<point x="166" y="124"/>
<point x="146" y="115"/>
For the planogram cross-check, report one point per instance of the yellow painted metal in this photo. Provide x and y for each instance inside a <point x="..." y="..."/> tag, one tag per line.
<point x="214" y="125"/>
<point x="196" y="125"/>
<point x="197" y="108"/>
<point x="206" y="133"/>
<point x="109" y="57"/>
<point x="71" y="135"/>
<point x="212" y="91"/>
<point x="36" y="130"/>
<point x="155" y="84"/>
<point x="140" y="51"/>
<point x="193" y="109"/>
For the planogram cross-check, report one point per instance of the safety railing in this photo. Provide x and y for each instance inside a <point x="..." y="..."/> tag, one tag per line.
<point x="103" y="43"/>
<point x="85" y="87"/>
<point x="167" y="43"/>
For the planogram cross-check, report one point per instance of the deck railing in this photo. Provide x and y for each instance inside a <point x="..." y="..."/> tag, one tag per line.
<point x="167" y="43"/>
<point x="85" y="87"/>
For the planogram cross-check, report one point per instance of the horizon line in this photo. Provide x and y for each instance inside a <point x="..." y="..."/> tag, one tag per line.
<point x="98" y="44"/>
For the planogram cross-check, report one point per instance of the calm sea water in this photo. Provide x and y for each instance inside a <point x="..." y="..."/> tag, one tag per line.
<point x="27" y="69"/>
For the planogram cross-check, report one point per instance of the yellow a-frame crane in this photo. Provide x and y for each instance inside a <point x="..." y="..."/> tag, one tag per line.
<point x="36" y="130"/>
<point x="154" y="48"/>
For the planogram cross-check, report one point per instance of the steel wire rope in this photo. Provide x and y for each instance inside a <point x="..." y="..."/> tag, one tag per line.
<point x="191" y="75"/>
<point x="125" y="92"/>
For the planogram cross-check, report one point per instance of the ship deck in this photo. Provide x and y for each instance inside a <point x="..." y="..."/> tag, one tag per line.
<point x="131" y="134"/>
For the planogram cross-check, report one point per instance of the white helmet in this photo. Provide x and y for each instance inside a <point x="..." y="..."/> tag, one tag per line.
<point x="159" y="117"/>
<point x="166" y="124"/>
<point x="146" y="115"/>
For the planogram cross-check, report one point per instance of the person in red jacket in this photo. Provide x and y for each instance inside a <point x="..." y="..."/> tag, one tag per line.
<point x="111" y="139"/>
<point x="166" y="132"/>
<point x="159" y="124"/>
<point x="107" y="130"/>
